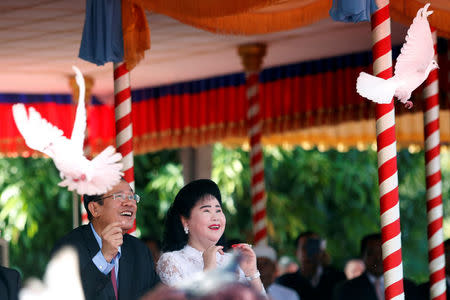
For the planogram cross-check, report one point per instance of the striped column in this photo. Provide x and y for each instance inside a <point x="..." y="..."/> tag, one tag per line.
<point x="387" y="158"/>
<point x="436" y="258"/>
<point x="84" y="215"/>
<point x="124" y="126"/>
<point x="252" y="55"/>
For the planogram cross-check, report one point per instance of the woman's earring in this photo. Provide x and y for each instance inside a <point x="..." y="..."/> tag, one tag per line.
<point x="186" y="230"/>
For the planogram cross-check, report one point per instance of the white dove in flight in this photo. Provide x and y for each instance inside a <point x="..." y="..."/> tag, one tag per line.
<point x="91" y="177"/>
<point x="413" y="65"/>
<point x="61" y="279"/>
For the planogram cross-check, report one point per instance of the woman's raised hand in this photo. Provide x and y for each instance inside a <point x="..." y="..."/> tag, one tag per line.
<point x="248" y="262"/>
<point x="209" y="256"/>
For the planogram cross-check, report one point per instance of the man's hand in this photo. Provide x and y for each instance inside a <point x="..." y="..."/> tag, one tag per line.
<point x="112" y="239"/>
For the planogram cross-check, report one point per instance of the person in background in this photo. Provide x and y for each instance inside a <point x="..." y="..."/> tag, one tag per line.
<point x="370" y="284"/>
<point x="286" y="265"/>
<point x="354" y="268"/>
<point x="313" y="281"/>
<point x="266" y="259"/>
<point x="9" y="283"/>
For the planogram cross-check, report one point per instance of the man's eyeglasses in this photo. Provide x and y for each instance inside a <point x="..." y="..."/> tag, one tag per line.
<point x="122" y="197"/>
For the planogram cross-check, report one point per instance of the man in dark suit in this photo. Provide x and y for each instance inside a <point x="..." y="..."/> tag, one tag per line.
<point x="370" y="285"/>
<point x="314" y="280"/>
<point x="424" y="288"/>
<point x="9" y="283"/>
<point x="113" y="264"/>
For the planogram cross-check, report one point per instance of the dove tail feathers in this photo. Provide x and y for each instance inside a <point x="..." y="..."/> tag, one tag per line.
<point x="374" y="88"/>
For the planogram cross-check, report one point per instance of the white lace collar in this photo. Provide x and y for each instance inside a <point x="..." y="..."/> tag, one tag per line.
<point x="191" y="250"/>
<point x="181" y="264"/>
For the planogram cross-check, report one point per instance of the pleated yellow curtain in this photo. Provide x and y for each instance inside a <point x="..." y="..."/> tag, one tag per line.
<point x="359" y="134"/>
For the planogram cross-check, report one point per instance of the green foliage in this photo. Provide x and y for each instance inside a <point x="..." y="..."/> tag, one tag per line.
<point x="35" y="212"/>
<point x="231" y="173"/>
<point x="333" y="193"/>
<point x="158" y="178"/>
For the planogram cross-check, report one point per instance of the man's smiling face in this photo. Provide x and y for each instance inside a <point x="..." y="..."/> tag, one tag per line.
<point x="116" y="208"/>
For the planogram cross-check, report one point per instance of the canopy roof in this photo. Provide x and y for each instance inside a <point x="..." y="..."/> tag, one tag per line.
<point x="40" y="41"/>
<point x="250" y="17"/>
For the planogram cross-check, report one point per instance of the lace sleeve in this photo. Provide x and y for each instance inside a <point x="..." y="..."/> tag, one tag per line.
<point x="168" y="270"/>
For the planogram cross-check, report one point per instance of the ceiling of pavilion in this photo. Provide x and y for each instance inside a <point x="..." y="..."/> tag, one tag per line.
<point x="40" y="41"/>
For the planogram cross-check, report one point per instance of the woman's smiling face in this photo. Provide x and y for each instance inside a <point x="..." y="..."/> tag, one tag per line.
<point x="206" y="223"/>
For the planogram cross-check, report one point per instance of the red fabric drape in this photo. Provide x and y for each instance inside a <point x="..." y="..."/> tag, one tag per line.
<point x="294" y="97"/>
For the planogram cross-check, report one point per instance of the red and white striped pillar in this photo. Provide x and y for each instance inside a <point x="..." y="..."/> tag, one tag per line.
<point x="124" y="126"/>
<point x="387" y="158"/>
<point x="252" y="56"/>
<point x="435" y="212"/>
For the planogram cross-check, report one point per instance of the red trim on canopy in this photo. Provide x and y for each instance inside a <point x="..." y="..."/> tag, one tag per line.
<point x="324" y="94"/>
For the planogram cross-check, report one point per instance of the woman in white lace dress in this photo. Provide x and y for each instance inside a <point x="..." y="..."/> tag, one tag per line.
<point x="193" y="235"/>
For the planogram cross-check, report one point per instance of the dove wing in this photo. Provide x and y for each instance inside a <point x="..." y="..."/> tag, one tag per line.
<point x="102" y="174"/>
<point x="106" y="169"/>
<point x="39" y="134"/>
<point x="418" y="50"/>
<point x="79" y="126"/>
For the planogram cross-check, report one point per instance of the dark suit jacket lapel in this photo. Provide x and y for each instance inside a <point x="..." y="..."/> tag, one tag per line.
<point x="125" y="272"/>
<point x="90" y="241"/>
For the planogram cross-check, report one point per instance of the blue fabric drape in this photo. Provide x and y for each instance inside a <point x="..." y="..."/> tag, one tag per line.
<point x="102" y="39"/>
<point x="352" y="10"/>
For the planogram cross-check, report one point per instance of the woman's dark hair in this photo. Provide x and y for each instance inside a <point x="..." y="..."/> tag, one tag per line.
<point x="174" y="237"/>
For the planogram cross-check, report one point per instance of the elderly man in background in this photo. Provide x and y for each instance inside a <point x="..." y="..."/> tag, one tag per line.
<point x="314" y="280"/>
<point x="266" y="259"/>
<point x="370" y="285"/>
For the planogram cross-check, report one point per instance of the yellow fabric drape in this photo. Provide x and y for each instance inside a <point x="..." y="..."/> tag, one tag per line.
<point x="136" y="33"/>
<point x="404" y="12"/>
<point x="360" y="134"/>
<point x="204" y="8"/>
<point x="251" y="17"/>
<point x="246" y="17"/>
<point x="262" y="21"/>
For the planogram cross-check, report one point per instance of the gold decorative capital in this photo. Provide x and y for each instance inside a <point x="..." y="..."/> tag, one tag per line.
<point x="252" y="55"/>
<point x="88" y="82"/>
